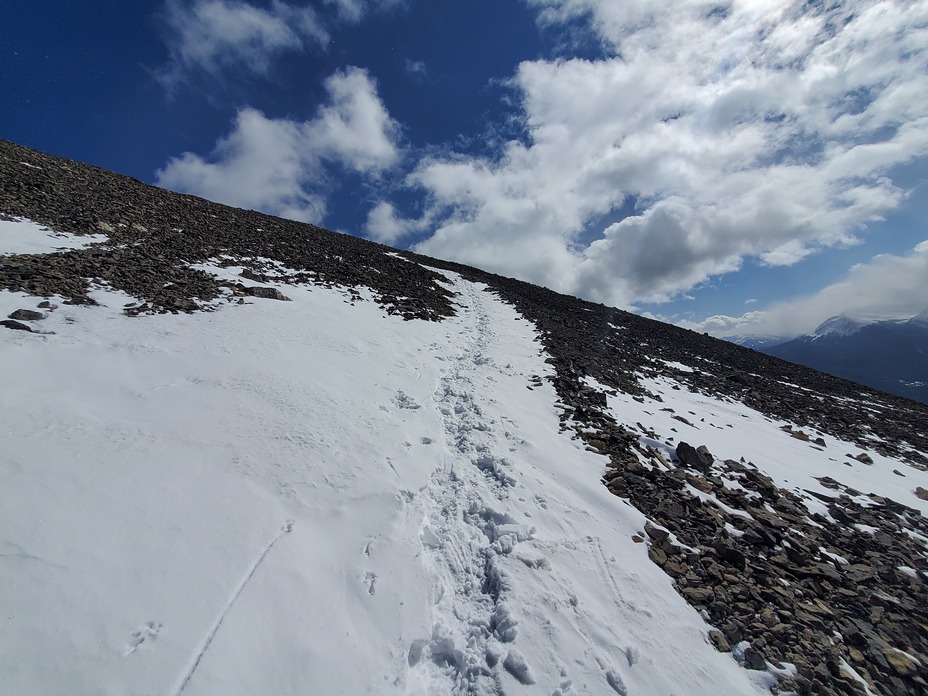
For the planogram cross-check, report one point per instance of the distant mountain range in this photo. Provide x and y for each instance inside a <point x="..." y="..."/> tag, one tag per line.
<point x="889" y="354"/>
<point x="756" y="342"/>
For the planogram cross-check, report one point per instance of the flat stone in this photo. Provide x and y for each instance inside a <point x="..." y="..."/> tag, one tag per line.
<point x="718" y="640"/>
<point x="266" y="293"/>
<point x="901" y="663"/>
<point x="699" y="595"/>
<point x="27" y="315"/>
<point x="657" y="555"/>
<point x="15" y="325"/>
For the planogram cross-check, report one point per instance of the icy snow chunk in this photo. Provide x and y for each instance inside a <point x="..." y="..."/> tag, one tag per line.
<point x="616" y="682"/>
<point x="429" y="538"/>
<point x="516" y="665"/>
<point x="503" y="624"/>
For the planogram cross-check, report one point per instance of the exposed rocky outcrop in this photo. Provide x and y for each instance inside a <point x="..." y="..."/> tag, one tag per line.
<point x="154" y="236"/>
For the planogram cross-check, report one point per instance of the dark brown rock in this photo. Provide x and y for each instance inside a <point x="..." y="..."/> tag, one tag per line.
<point x="698" y="595"/>
<point x="655" y="533"/>
<point x="754" y="660"/>
<point x="149" y="259"/>
<point x="15" y="325"/>
<point x="718" y="640"/>
<point x="266" y="293"/>
<point x="696" y="458"/>
<point x="26" y="315"/>
<point x="657" y="555"/>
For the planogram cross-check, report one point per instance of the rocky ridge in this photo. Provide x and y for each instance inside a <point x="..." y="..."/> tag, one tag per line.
<point x="155" y="237"/>
<point x="770" y="578"/>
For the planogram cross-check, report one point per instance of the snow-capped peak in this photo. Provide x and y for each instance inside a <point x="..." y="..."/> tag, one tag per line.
<point x="920" y="318"/>
<point x="840" y="325"/>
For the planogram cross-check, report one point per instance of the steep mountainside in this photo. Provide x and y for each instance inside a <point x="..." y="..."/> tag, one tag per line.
<point x="888" y="355"/>
<point x="535" y="494"/>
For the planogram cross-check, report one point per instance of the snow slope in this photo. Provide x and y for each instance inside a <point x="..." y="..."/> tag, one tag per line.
<point x="313" y="497"/>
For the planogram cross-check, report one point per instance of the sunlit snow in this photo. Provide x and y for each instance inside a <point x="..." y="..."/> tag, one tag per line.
<point x="316" y="497"/>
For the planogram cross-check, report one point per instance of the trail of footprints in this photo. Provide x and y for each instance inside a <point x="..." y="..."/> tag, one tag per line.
<point x="466" y="533"/>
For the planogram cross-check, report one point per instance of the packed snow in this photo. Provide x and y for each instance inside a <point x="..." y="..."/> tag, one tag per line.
<point x="315" y="497"/>
<point x="20" y="236"/>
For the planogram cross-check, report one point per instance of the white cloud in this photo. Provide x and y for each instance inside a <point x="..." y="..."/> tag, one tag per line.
<point x="354" y="10"/>
<point x="416" y="70"/>
<point x="355" y="128"/>
<point x="214" y="36"/>
<point x="385" y="226"/>
<point x="765" y="129"/>
<point x="886" y="286"/>
<point x="279" y="166"/>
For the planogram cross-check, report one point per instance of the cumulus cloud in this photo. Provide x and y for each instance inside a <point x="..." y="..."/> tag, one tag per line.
<point x="213" y="36"/>
<point x="283" y="166"/>
<point x="386" y="226"/>
<point x="355" y="127"/>
<point x="888" y="285"/>
<point x="765" y="129"/>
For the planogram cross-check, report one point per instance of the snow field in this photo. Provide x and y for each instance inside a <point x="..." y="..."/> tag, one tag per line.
<point x="311" y="497"/>
<point x="20" y="236"/>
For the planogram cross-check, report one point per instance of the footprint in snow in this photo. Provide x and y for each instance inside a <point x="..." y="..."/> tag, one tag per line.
<point x="403" y="400"/>
<point x="147" y="631"/>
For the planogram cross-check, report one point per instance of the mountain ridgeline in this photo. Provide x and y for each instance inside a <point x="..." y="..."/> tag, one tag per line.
<point x="764" y="565"/>
<point x="889" y="355"/>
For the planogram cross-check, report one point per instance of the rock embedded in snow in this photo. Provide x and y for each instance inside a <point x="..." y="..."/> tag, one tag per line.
<point x="656" y="533"/>
<point x="15" y="325"/>
<point x="26" y="315"/>
<point x="697" y="458"/>
<point x="718" y="640"/>
<point x="266" y="293"/>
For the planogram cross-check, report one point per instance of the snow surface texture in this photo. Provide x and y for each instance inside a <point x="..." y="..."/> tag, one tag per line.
<point x="26" y="237"/>
<point x="311" y="497"/>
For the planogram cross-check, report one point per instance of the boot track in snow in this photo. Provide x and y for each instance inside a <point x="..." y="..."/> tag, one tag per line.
<point x="466" y="528"/>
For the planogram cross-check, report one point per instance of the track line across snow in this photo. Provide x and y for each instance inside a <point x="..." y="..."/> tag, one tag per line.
<point x="286" y="528"/>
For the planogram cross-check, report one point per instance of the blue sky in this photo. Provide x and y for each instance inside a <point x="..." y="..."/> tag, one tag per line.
<point x="738" y="167"/>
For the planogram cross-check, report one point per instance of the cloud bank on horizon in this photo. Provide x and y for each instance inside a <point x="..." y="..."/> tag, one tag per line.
<point x="703" y="137"/>
<point x="895" y="288"/>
